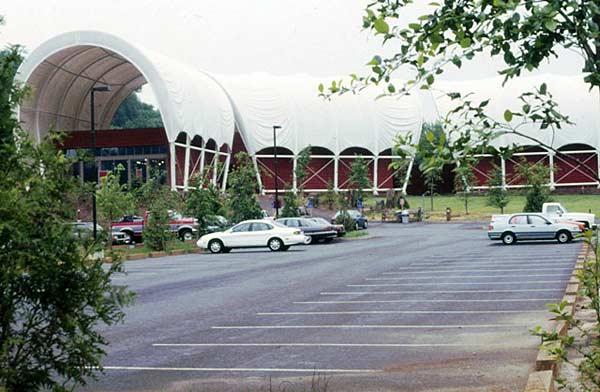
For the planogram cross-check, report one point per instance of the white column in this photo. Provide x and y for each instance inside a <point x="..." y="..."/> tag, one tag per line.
<point x="375" y="175"/>
<point x="172" y="164"/>
<point x="294" y="178"/>
<point x="215" y="168"/>
<point x="551" y="163"/>
<point x="186" y="167"/>
<point x="226" y="172"/>
<point x="336" y="167"/>
<point x="202" y="155"/>
<point x="503" y="168"/>
<point x="407" y="178"/>
<point x="261" y="189"/>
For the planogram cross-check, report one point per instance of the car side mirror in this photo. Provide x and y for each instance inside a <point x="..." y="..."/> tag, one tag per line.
<point x="548" y="223"/>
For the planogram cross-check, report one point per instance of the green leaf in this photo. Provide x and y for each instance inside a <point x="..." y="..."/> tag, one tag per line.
<point x="551" y="24"/>
<point x="321" y="87"/>
<point x="457" y="61"/>
<point x="465" y="42"/>
<point x="430" y="79"/>
<point x="381" y="26"/>
<point x="375" y="61"/>
<point x="391" y="88"/>
<point x="508" y="115"/>
<point x="415" y="26"/>
<point x="526" y="108"/>
<point x="543" y="89"/>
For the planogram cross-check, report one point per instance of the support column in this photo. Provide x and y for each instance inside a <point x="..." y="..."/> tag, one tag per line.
<point x="551" y="163"/>
<point x="407" y="178"/>
<point x="503" y="169"/>
<point x="128" y="173"/>
<point x="336" y="167"/>
<point x="202" y="154"/>
<point x="226" y="172"/>
<point x="375" y="175"/>
<point x="215" y="168"/>
<point x="294" y="178"/>
<point x="186" y="167"/>
<point x="172" y="159"/>
<point x="261" y="189"/>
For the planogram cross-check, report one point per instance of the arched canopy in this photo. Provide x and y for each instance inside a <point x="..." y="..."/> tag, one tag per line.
<point x="572" y="94"/>
<point x="292" y="102"/>
<point x="62" y="71"/>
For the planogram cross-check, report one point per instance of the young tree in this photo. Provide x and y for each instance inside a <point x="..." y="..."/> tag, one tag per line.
<point x="290" y="204"/>
<point x="157" y="230"/>
<point x="113" y="199"/>
<point x="497" y="193"/>
<point x="464" y="181"/>
<point x="204" y="204"/>
<point x="330" y="196"/>
<point x="301" y="171"/>
<point x="52" y="298"/>
<point x="241" y="190"/>
<point x="359" y="177"/>
<point x="536" y="177"/>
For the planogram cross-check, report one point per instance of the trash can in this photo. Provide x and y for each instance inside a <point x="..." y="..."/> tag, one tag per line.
<point x="404" y="217"/>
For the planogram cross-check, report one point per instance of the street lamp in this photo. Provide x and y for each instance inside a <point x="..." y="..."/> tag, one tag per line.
<point x="93" y="143"/>
<point x="275" y="128"/>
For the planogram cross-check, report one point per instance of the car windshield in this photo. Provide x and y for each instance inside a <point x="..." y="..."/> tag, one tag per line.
<point x="278" y="224"/>
<point x="320" y="221"/>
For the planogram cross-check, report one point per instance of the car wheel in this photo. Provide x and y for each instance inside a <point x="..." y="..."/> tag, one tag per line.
<point x="356" y="226"/>
<point x="275" y="244"/>
<point x="186" y="235"/>
<point x="508" y="238"/>
<point x="128" y="237"/>
<point x="309" y="240"/>
<point x="563" y="237"/>
<point x="365" y="224"/>
<point x="215" y="246"/>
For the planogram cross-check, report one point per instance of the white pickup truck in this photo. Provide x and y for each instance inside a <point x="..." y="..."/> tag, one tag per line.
<point x="558" y="212"/>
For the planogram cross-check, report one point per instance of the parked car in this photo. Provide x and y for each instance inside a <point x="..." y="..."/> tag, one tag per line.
<point x="315" y="231"/>
<point x="133" y="226"/>
<point x="219" y="223"/>
<point x="556" y="210"/>
<point x="253" y="234"/>
<point x="85" y="230"/>
<point x="340" y="229"/>
<point x="359" y="220"/>
<point x="524" y="226"/>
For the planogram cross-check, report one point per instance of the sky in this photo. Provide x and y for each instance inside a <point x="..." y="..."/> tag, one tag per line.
<point x="317" y="37"/>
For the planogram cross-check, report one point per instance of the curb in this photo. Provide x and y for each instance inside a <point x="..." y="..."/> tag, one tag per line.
<point x="542" y="379"/>
<point x="153" y="255"/>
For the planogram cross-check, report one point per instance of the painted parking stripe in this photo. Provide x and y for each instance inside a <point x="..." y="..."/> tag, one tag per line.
<point x="374" y="345"/>
<point x="456" y="283"/>
<point x="477" y="270"/>
<point x="476" y="264"/>
<point x="375" y="326"/>
<point x="232" y="370"/>
<point x="435" y="291"/>
<point x="437" y="277"/>
<point x="349" y="312"/>
<point x="394" y="301"/>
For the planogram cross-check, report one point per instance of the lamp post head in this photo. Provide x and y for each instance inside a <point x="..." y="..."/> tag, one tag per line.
<point x="276" y="127"/>
<point x="101" y="88"/>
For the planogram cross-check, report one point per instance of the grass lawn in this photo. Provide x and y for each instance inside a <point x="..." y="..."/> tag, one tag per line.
<point x="357" y="233"/>
<point x="479" y="210"/>
<point x="172" y="245"/>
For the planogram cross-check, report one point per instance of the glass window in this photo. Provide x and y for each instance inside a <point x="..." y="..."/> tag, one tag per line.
<point x="292" y="223"/>
<point x="241" y="228"/>
<point x="261" y="227"/>
<point x="537" y="220"/>
<point x="518" y="220"/>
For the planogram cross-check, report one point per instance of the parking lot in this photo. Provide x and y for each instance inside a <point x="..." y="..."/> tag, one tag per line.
<point x="434" y="307"/>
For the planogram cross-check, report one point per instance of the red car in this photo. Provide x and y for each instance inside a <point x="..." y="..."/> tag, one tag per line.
<point x="133" y="226"/>
<point x="341" y="231"/>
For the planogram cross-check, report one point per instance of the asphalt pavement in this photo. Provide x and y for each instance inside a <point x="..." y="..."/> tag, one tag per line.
<point x="419" y="307"/>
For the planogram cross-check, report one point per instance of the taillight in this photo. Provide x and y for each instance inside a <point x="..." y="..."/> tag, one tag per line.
<point x="491" y="227"/>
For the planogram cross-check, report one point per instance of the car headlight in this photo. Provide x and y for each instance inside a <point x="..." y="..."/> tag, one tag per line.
<point x="297" y="232"/>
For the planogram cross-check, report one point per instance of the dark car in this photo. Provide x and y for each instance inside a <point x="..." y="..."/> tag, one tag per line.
<point x="359" y="221"/>
<point x="84" y="231"/>
<point x="341" y="231"/>
<point x="217" y="223"/>
<point x="315" y="231"/>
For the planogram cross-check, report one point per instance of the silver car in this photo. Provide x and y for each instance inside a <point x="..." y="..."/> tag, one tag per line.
<point x="525" y="226"/>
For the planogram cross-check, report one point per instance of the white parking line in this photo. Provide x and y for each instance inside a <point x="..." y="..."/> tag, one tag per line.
<point x="262" y="370"/>
<point x="474" y="270"/>
<point x="399" y="312"/>
<point x="432" y="291"/>
<point x="371" y="326"/>
<point x="437" y="277"/>
<point x="375" y="345"/>
<point x="482" y="263"/>
<point x="393" y="301"/>
<point x="456" y="283"/>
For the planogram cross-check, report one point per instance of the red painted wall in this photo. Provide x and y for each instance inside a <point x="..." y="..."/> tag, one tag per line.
<point x="117" y="138"/>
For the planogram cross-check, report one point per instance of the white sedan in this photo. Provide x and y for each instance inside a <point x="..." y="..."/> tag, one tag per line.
<point x="253" y="234"/>
<point x="525" y="226"/>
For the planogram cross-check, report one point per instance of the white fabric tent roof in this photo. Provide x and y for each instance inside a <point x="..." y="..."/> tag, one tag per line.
<point x="572" y="94"/>
<point x="63" y="69"/>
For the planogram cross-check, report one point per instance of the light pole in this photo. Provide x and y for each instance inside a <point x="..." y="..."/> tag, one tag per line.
<point x="276" y="204"/>
<point x="93" y="143"/>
